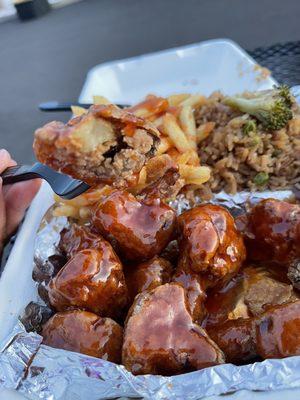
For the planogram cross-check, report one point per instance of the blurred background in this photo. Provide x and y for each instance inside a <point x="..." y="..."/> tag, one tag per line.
<point x="48" y="56"/>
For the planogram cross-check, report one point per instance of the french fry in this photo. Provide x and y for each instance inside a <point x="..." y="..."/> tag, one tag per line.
<point x="77" y="111"/>
<point x="85" y="199"/>
<point x="194" y="101"/>
<point x="194" y="175"/>
<point x="189" y="157"/>
<point x="84" y="213"/>
<point x="173" y="153"/>
<point x="204" y="130"/>
<point x="194" y="159"/>
<point x="100" y="100"/>
<point x="176" y="99"/>
<point x="158" y="121"/>
<point x="175" y="133"/>
<point x="150" y="107"/>
<point x="164" y="145"/>
<point x="188" y="124"/>
<point x="80" y="207"/>
<point x="184" y="158"/>
<point x="142" y="176"/>
<point x="65" y="210"/>
<point x="141" y="112"/>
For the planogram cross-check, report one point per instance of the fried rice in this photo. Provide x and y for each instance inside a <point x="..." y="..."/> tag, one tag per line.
<point x="260" y="160"/>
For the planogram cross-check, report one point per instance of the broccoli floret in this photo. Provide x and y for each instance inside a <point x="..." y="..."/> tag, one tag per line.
<point x="271" y="107"/>
<point x="249" y="126"/>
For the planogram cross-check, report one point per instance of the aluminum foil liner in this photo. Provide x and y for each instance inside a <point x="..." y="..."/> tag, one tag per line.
<point x="42" y="372"/>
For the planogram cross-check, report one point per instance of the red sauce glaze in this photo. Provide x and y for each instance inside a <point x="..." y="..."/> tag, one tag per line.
<point x="250" y="293"/>
<point x="141" y="229"/>
<point x="222" y="301"/>
<point x="77" y="238"/>
<point x="211" y="242"/>
<point x="161" y="338"/>
<point x="273" y="232"/>
<point x="93" y="280"/>
<point x="278" y="331"/>
<point x="147" y="275"/>
<point x="272" y="334"/>
<point x="195" y="288"/>
<point x="85" y="333"/>
<point x="152" y="104"/>
<point x="236" y="338"/>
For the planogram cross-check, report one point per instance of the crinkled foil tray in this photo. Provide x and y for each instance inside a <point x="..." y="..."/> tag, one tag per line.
<point x="41" y="372"/>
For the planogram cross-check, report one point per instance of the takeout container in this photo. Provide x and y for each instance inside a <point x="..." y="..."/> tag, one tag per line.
<point x="57" y="374"/>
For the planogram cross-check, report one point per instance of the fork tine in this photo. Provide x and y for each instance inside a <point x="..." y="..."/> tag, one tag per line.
<point x="63" y="185"/>
<point x="75" y="191"/>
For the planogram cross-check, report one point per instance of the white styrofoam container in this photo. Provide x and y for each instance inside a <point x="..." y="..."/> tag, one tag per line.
<point x="199" y="68"/>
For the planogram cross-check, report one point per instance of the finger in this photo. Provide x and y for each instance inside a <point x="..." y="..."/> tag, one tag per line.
<point x="17" y="201"/>
<point x="2" y="217"/>
<point x="5" y="160"/>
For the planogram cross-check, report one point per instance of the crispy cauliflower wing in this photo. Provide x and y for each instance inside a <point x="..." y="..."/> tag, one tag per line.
<point x="105" y="145"/>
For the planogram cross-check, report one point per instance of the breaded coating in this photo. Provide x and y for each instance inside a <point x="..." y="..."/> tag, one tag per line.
<point x="106" y="145"/>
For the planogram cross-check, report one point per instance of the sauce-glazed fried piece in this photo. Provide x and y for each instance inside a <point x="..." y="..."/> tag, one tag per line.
<point x="226" y="302"/>
<point x="249" y="294"/>
<point x="273" y="232"/>
<point x="211" y="242"/>
<point x="237" y="339"/>
<point x="141" y="229"/>
<point x="93" y="280"/>
<point x="278" y="331"/>
<point x="163" y="179"/>
<point x="85" y="333"/>
<point x="273" y="334"/>
<point x="195" y="288"/>
<point x="106" y="145"/>
<point x="147" y="275"/>
<point x="263" y="289"/>
<point x="161" y="338"/>
<point x="77" y="238"/>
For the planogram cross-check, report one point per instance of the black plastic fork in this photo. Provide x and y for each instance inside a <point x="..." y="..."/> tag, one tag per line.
<point x="63" y="185"/>
<point x="55" y="106"/>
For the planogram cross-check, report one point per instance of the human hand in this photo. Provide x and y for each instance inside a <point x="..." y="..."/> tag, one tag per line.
<point x="14" y="199"/>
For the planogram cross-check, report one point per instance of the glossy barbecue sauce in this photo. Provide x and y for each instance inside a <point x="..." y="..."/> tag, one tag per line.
<point x="141" y="229"/>
<point x="86" y="333"/>
<point x="210" y="240"/>
<point x="152" y="104"/>
<point x="93" y="280"/>
<point x="273" y="232"/>
<point x="77" y="238"/>
<point x="147" y="275"/>
<point x="161" y="337"/>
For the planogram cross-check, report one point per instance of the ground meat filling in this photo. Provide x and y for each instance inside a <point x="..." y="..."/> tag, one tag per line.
<point x="123" y="166"/>
<point x="106" y="145"/>
<point x="140" y="141"/>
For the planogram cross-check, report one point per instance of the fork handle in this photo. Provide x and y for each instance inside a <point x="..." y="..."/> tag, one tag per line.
<point x="18" y="173"/>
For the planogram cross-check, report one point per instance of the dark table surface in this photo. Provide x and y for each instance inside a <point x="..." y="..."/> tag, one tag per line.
<point x="48" y="58"/>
